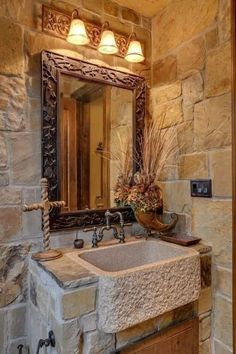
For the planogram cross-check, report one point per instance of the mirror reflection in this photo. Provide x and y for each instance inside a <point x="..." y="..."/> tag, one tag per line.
<point x="96" y="124"/>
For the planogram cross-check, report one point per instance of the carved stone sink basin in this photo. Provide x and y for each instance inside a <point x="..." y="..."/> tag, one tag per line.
<point x="141" y="280"/>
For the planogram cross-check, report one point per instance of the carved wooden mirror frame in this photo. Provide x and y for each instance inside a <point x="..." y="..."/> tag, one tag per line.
<point x="53" y="65"/>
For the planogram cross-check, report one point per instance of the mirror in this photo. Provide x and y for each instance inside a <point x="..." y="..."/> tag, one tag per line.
<point x="89" y="114"/>
<point x="96" y="122"/>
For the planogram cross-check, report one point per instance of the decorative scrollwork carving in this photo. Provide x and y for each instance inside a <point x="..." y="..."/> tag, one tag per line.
<point x="55" y="22"/>
<point x="94" y="34"/>
<point x="88" y="218"/>
<point x="52" y="65"/>
<point x="122" y="44"/>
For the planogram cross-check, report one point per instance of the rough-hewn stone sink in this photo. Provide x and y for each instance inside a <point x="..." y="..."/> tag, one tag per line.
<point x="141" y="280"/>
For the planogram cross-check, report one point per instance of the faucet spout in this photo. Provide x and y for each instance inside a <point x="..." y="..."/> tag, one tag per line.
<point x="97" y="237"/>
<point x="121" y="235"/>
<point x="107" y="228"/>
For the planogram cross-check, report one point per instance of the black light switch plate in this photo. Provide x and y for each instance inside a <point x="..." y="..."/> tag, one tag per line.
<point x="201" y="188"/>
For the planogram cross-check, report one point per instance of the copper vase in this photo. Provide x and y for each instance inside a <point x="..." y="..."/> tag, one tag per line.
<point x="149" y="220"/>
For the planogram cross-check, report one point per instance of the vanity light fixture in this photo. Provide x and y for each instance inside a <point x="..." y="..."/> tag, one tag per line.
<point x="134" y="52"/>
<point x="77" y="33"/>
<point x="99" y="37"/>
<point x="107" y="44"/>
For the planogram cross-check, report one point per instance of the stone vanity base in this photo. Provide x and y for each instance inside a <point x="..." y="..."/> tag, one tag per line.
<point x="63" y="299"/>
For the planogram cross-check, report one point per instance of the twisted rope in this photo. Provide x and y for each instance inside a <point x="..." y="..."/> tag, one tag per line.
<point x="45" y="206"/>
<point x="56" y="204"/>
<point x="32" y="207"/>
<point x="46" y="209"/>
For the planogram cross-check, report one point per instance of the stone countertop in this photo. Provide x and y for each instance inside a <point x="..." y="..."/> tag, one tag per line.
<point x="201" y="247"/>
<point x="69" y="274"/>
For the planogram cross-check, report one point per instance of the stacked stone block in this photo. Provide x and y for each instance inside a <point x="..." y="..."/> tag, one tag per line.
<point x="191" y="88"/>
<point x="21" y="42"/>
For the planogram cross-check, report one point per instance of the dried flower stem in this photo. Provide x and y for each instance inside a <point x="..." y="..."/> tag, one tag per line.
<point x="156" y="146"/>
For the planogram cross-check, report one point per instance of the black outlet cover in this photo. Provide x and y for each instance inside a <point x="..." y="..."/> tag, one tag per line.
<point x="201" y="188"/>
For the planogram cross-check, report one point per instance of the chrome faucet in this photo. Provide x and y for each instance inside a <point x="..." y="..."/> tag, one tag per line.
<point x="97" y="237"/>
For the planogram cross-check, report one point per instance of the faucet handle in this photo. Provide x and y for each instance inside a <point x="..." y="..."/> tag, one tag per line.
<point x="121" y="236"/>
<point x="89" y="229"/>
<point x="95" y="236"/>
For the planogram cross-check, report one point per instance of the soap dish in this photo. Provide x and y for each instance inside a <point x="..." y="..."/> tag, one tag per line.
<point x="180" y="239"/>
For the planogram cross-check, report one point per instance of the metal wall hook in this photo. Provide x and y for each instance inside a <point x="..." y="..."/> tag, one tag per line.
<point x="50" y="341"/>
<point x="20" y="348"/>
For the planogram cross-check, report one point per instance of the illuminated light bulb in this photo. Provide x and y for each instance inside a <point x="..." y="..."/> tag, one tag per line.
<point x="77" y="33"/>
<point x="107" y="44"/>
<point x="134" y="53"/>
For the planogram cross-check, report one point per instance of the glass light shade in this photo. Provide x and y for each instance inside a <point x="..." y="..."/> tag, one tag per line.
<point x="77" y="33"/>
<point x="134" y="53"/>
<point x="108" y="44"/>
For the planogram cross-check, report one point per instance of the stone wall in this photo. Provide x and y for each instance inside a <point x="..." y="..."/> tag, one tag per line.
<point x="190" y="86"/>
<point x="191" y="89"/>
<point x="21" y="41"/>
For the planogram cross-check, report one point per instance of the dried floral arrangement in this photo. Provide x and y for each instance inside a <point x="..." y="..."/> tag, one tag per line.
<point x="141" y="191"/>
